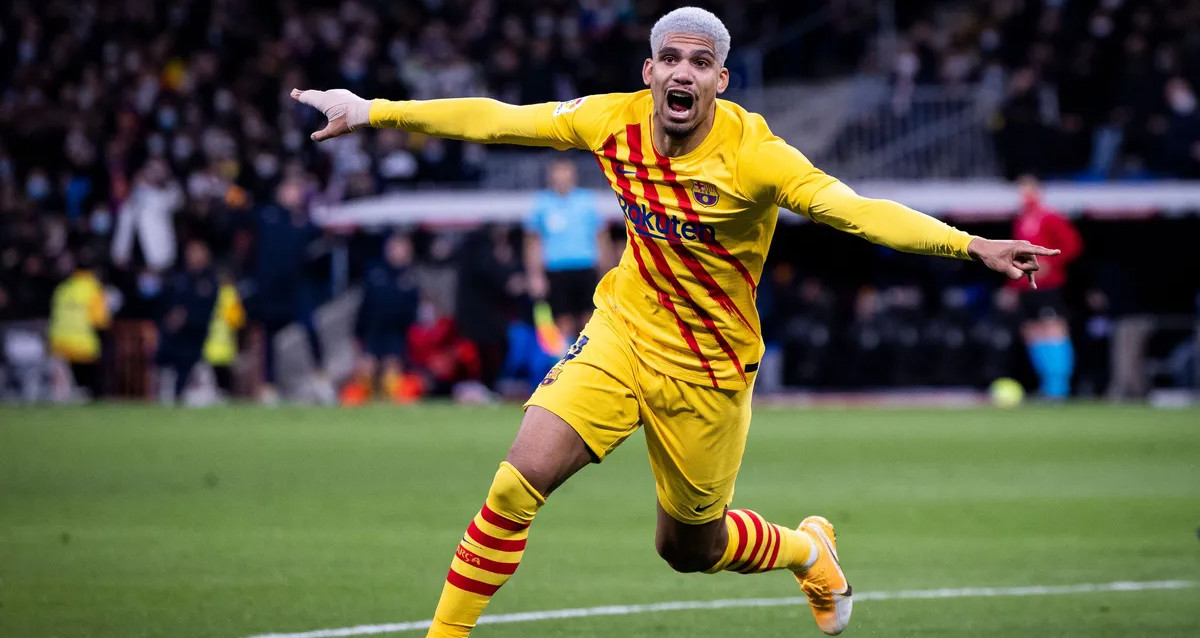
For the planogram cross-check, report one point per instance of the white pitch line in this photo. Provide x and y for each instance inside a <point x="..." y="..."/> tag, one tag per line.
<point x="625" y="610"/>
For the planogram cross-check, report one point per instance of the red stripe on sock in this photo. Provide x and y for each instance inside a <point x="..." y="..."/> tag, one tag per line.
<point x="775" y="550"/>
<point x="741" y="546"/>
<point x="469" y="557"/>
<point x="772" y="542"/>
<point x="470" y="584"/>
<point x="758" y="534"/>
<point x="491" y="542"/>
<point x="501" y="522"/>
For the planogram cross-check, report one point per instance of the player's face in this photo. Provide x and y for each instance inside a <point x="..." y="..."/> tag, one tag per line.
<point x="684" y="79"/>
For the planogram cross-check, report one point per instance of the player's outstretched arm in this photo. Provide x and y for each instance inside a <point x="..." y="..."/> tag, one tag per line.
<point x="777" y="170"/>
<point x="471" y="119"/>
<point x="895" y="225"/>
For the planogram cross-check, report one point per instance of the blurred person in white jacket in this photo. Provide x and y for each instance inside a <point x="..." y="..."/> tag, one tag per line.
<point x="147" y="215"/>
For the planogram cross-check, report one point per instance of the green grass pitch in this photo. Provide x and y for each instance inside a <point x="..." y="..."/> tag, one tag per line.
<point x="130" y="522"/>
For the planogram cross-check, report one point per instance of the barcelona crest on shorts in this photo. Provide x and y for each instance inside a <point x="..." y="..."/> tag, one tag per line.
<point x="705" y="193"/>
<point x="572" y="352"/>
<point x="552" y="375"/>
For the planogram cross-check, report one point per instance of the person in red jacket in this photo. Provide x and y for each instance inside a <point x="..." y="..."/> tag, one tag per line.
<point x="1044" y="317"/>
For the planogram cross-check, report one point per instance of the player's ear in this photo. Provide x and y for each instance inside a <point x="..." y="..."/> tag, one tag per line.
<point x="723" y="80"/>
<point x="647" y="71"/>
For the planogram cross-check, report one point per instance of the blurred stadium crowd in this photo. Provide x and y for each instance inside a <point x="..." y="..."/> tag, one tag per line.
<point x="153" y="144"/>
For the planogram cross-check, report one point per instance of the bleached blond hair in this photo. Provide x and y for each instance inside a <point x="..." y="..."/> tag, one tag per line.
<point x="691" y="21"/>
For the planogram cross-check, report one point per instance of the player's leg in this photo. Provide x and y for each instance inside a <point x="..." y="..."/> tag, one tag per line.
<point x="545" y="453"/>
<point x="581" y="411"/>
<point x="743" y="541"/>
<point x="688" y="547"/>
<point x="696" y="437"/>
<point x="695" y="467"/>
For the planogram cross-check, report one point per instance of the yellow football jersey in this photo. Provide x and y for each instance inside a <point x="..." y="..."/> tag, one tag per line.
<point x="698" y="226"/>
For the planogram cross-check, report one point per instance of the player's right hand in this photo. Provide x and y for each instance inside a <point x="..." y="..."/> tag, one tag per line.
<point x="345" y="111"/>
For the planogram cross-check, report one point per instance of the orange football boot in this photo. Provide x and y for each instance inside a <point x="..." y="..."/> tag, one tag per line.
<point x="823" y="582"/>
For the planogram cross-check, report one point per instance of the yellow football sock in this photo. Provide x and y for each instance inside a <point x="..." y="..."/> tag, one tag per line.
<point x="756" y="545"/>
<point x="488" y="554"/>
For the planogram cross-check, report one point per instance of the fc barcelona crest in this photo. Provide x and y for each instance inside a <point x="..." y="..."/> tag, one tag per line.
<point x="705" y="194"/>
<point x="572" y="352"/>
<point x="552" y="375"/>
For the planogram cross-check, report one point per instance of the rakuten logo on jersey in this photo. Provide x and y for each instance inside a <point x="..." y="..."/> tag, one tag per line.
<point x="670" y="228"/>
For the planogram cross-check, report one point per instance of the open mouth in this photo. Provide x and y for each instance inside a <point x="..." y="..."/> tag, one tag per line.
<point x="679" y="103"/>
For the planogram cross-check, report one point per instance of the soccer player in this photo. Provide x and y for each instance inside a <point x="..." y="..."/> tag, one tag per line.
<point x="673" y="344"/>
<point x="1043" y="309"/>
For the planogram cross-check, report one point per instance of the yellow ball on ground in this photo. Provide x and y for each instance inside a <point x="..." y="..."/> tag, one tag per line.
<point x="1006" y="392"/>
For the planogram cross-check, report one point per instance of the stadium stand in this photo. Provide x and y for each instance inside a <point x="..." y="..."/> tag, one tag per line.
<point x="128" y="127"/>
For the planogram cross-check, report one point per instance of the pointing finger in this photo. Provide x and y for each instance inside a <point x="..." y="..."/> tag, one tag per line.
<point x="1032" y="281"/>
<point x="1033" y="249"/>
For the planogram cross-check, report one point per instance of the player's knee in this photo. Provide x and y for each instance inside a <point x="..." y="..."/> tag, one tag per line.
<point x="511" y="495"/>
<point x="687" y="558"/>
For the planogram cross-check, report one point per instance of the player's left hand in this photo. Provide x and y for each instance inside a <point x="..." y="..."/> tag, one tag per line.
<point x="344" y="110"/>
<point x="1015" y="258"/>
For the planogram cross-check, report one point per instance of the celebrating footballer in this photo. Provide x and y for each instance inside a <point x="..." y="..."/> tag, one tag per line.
<point x="674" y="343"/>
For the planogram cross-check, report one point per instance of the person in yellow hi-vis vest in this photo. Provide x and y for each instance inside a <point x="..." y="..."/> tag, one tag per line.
<point x="77" y="312"/>
<point x="220" y="349"/>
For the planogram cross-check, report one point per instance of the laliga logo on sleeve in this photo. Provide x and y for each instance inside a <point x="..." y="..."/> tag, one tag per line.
<point x="571" y="105"/>
<point x="705" y="194"/>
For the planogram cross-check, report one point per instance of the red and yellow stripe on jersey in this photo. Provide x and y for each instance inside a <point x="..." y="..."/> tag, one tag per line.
<point x="698" y="225"/>
<point x="687" y="298"/>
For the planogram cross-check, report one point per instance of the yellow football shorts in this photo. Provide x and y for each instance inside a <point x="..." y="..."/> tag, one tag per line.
<point x="695" y="434"/>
